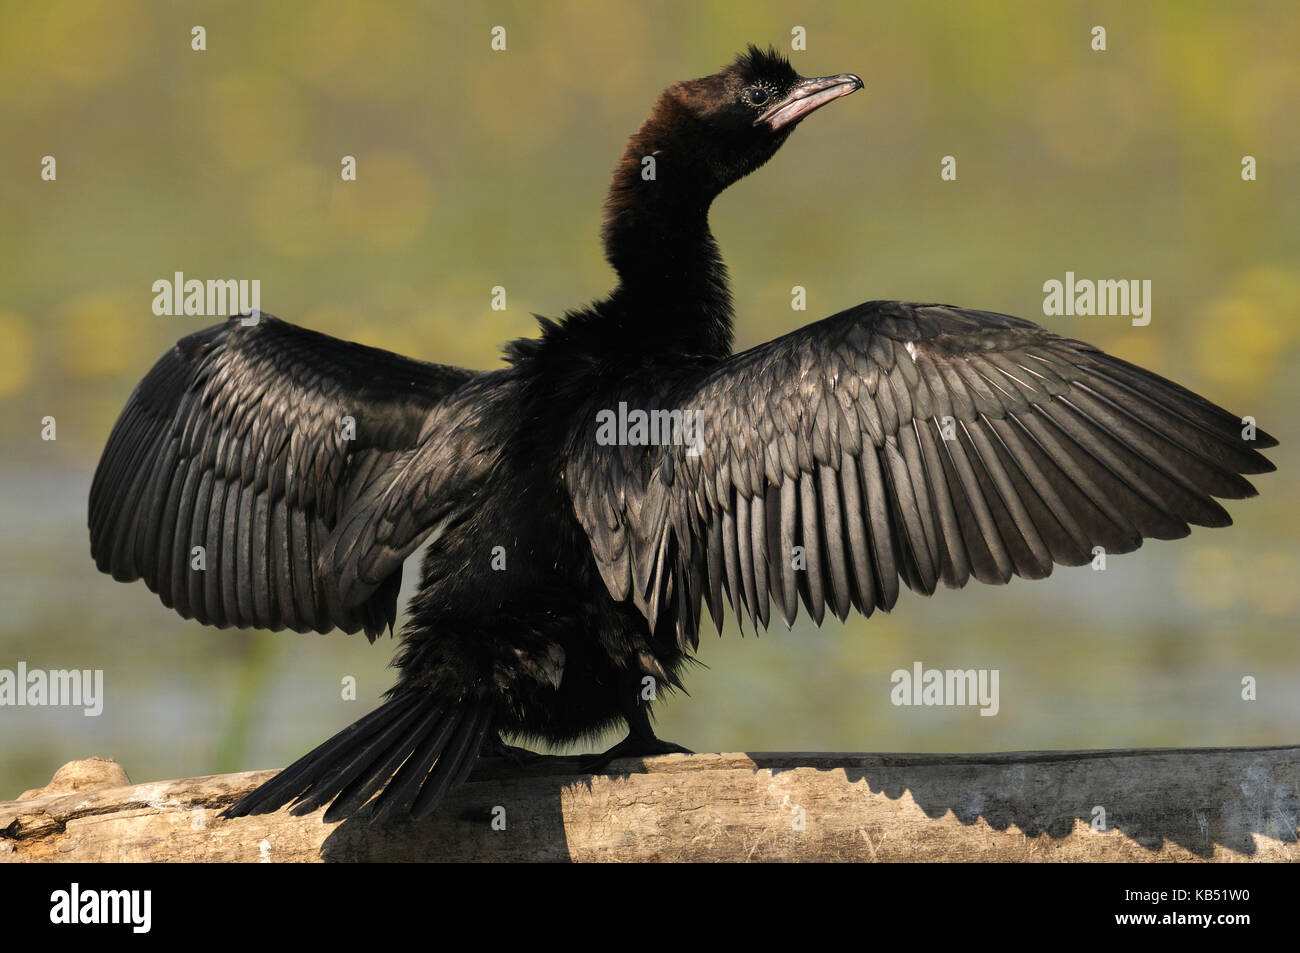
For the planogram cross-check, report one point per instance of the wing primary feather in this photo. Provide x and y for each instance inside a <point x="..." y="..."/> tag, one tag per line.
<point x="1033" y="561"/>
<point x="954" y="561"/>
<point x="1213" y="441"/>
<point x="713" y="591"/>
<point x="991" y="563"/>
<point x="811" y="579"/>
<point x="1197" y="474"/>
<point x="856" y="531"/>
<point x="731" y="556"/>
<point x="783" y="555"/>
<point x="915" y="468"/>
<point x="1137" y="481"/>
<point x="833" y="533"/>
<point x="1101" y="487"/>
<point x="1068" y="541"/>
<point x="744" y="527"/>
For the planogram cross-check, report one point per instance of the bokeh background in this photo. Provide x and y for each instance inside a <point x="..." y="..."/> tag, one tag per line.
<point x="481" y="168"/>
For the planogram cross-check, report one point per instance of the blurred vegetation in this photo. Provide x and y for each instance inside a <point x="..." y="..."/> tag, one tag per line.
<point x="478" y="169"/>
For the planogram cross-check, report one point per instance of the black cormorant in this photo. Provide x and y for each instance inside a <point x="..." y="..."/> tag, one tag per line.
<point x="625" y="469"/>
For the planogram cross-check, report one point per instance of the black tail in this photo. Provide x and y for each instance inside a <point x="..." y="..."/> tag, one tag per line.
<point x="415" y="748"/>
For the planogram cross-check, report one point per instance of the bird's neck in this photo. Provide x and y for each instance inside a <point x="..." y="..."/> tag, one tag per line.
<point x="673" y="288"/>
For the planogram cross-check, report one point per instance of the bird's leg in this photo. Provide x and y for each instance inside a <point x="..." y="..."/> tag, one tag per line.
<point x="495" y="747"/>
<point x="640" y="741"/>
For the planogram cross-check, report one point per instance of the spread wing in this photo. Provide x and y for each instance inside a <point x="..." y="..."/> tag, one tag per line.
<point x="253" y="442"/>
<point x="899" y="441"/>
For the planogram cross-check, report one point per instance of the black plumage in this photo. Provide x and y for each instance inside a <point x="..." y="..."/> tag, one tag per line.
<point x="893" y="441"/>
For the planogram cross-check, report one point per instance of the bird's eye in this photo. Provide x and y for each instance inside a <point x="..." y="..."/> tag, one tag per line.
<point x="756" y="95"/>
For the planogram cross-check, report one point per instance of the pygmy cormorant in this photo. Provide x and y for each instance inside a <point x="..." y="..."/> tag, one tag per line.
<point x="625" y="468"/>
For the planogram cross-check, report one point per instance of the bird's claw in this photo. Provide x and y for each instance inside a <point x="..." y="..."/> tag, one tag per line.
<point x="630" y="747"/>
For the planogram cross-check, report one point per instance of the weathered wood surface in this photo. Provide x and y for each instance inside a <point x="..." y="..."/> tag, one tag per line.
<point x="1221" y="804"/>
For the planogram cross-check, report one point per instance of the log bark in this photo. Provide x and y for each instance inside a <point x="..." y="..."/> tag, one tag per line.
<point x="1219" y="804"/>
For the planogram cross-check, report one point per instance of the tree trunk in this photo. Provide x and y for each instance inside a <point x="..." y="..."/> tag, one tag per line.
<point x="1221" y="804"/>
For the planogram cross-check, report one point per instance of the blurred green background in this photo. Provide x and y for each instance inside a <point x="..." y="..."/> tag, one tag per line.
<point x="480" y="168"/>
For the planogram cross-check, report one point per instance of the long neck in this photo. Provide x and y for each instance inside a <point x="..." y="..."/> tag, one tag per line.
<point x="672" y="282"/>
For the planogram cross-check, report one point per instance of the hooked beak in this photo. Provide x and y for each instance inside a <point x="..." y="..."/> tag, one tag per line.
<point x="809" y="95"/>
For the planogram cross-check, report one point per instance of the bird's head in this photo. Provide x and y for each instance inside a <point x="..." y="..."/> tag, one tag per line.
<point x="702" y="136"/>
<point x="735" y="120"/>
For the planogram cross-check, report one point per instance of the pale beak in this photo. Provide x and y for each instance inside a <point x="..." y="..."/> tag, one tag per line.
<point x="809" y="95"/>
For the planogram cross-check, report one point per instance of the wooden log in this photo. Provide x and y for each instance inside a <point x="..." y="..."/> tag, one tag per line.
<point x="1220" y="804"/>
